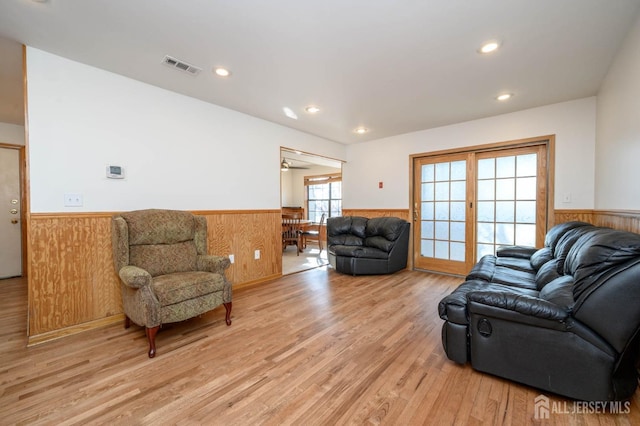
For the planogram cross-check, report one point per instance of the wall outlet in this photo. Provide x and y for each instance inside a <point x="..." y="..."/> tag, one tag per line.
<point x="256" y="254"/>
<point x="232" y="258"/>
<point x="73" y="200"/>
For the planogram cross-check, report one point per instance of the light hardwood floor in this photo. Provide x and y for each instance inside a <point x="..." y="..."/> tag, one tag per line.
<point x="312" y="348"/>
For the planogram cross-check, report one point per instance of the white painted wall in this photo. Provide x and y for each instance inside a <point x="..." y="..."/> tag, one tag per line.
<point x="618" y="130"/>
<point x="178" y="152"/>
<point x="11" y="133"/>
<point x="387" y="160"/>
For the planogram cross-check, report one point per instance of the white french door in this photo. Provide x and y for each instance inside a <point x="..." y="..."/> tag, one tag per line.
<point x="468" y="204"/>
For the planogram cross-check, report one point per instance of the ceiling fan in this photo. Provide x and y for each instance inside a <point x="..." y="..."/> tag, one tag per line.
<point x="286" y="165"/>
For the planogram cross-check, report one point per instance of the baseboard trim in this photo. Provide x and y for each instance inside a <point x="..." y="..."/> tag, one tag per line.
<point x="75" y="329"/>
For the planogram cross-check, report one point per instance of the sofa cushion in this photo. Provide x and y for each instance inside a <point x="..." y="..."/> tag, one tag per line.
<point x="346" y="230"/>
<point x="156" y="226"/>
<point x="359" y="251"/>
<point x="560" y="292"/>
<point x="178" y="287"/>
<point x="541" y="257"/>
<point x="387" y="227"/>
<point x="547" y="273"/>
<point x="153" y="257"/>
<point x="381" y="243"/>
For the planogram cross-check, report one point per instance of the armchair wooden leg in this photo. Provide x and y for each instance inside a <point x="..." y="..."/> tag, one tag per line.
<point x="151" y="336"/>
<point x="227" y="318"/>
<point x="127" y="322"/>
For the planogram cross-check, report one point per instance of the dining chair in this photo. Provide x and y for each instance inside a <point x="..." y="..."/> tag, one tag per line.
<point x="313" y="233"/>
<point x="291" y="232"/>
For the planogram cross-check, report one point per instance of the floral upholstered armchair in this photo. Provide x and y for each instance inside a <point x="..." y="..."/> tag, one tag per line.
<point x="166" y="275"/>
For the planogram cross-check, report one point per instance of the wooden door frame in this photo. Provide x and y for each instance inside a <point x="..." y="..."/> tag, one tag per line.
<point x="23" y="203"/>
<point x="548" y="140"/>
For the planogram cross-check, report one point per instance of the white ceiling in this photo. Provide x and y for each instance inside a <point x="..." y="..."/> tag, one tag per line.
<point x="392" y="66"/>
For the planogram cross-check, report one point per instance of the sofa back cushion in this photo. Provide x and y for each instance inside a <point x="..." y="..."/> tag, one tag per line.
<point x="540" y="257"/>
<point x="547" y="273"/>
<point x="162" y="241"/>
<point x="382" y="232"/>
<point x="346" y="230"/>
<point x="556" y="232"/>
<point x="560" y="292"/>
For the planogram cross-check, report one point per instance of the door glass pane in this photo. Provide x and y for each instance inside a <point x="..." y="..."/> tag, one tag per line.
<point x="442" y="171"/>
<point x="442" y="191"/>
<point x="526" y="212"/>
<point x="486" y="211"/>
<point x="457" y="231"/>
<point x="426" y="248"/>
<point x="428" y="173"/>
<point x="526" y="188"/>
<point x="505" y="211"/>
<point x="442" y="230"/>
<point x="442" y="210"/>
<point x="427" y="211"/>
<point x="527" y="165"/>
<point x="526" y="235"/>
<point x="459" y="170"/>
<point x="505" y="233"/>
<point x="486" y="168"/>
<point x="486" y="189"/>
<point x="458" y="210"/>
<point x="442" y="250"/>
<point x="458" y="190"/>
<point x="428" y="192"/>
<point x="426" y="229"/>
<point x="505" y="189"/>
<point x="457" y="251"/>
<point x="486" y="233"/>
<point x="505" y="167"/>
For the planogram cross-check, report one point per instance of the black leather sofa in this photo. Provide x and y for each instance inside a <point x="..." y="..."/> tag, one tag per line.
<point x="564" y="318"/>
<point x="360" y="246"/>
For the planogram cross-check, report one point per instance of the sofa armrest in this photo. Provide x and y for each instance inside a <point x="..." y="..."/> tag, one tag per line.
<point x="522" y="252"/>
<point x="134" y="277"/>
<point x="211" y="263"/>
<point x="526" y="305"/>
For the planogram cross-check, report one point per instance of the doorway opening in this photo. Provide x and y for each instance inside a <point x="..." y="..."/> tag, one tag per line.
<point x="310" y="186"/>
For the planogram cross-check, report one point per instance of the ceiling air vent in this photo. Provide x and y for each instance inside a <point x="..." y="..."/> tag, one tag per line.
<point x="181" y="65"/>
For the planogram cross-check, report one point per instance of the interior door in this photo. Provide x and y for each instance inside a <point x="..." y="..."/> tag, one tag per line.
<point x="441" y="214"/>
<point x="511" y="198"/>
<point x="10" y="226"/>
<point x="468" y="204"/>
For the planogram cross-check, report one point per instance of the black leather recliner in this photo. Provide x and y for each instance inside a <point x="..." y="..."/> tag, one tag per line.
<point x="360" y="246"/>
<point x="564" y="318"/>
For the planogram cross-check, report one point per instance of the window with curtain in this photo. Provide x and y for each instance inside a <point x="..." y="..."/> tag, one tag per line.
<point x="324" y="195"/>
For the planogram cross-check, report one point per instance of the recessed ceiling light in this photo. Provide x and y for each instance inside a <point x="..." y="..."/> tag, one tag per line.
<point x="489" y="47"/>
<point x="289" y="113"/>
<point x="504" y="96"/>
<point x="222" y="72"/>
<point x="361" y="130"/>
<point x="312" y="109"/>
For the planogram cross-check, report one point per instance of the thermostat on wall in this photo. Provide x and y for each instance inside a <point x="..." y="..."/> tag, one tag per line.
<point x="115" y="172"/>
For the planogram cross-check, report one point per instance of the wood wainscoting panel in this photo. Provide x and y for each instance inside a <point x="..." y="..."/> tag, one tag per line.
<point x="369" y="213"/>
<point x="624" y="220"/>
<point x="561" y="216"/>
<point x="72" y="284"/>
<point x="71" y="274"/>
<point x="241" y="233"/>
